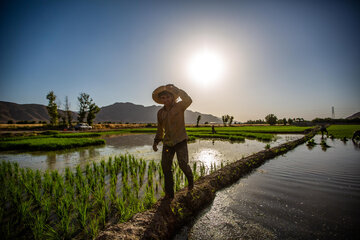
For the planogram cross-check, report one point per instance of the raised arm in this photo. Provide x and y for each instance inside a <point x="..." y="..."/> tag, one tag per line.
<point x="185" y="98"/>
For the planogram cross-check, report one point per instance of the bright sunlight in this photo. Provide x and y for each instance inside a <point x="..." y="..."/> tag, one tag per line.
<point x="205" y="67"/>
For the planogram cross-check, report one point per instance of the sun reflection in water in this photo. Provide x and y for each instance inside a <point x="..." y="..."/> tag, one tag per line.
<point x="208" y="157"/>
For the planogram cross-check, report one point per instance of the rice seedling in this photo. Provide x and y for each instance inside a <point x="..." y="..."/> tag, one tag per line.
<point x="78" y="203"/>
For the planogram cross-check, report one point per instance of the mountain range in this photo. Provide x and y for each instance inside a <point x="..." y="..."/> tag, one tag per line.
<point x="117" y="112"/>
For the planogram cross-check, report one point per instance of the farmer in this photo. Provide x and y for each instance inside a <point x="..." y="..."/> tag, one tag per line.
<point x="323" y="129"/>
<point x="171" y="131"/>
<point x="213" y="129"/>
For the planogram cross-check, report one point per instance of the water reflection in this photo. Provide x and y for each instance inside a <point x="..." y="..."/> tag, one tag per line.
<point x="140" y="145"/>
<point x="301" y="195"/>
<point x="51" y="160"/>
<point x="208" y="157"/>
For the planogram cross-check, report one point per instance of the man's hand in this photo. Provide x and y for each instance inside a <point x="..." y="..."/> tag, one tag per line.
<point x="155" y="148"/>
<point x="172" y="87"/>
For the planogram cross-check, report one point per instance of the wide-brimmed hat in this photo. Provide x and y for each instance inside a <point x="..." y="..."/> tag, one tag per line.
<point x="155" y="94"/>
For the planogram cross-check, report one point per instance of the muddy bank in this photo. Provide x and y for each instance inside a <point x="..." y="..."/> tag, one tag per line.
<point x="163" y="219"/>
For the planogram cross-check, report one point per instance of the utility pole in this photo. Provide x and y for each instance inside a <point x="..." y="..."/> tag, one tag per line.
<point x="333" y="112"/>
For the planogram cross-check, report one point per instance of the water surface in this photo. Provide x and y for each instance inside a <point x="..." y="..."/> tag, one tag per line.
<point x="140" y="145"/>
<point x="305" y="194"/>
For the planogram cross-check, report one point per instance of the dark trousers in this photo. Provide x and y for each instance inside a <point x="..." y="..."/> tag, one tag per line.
<point x="182" y="155"/>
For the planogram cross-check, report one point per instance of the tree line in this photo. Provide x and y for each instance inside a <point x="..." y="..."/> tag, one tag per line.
<point x="87" y="110"/>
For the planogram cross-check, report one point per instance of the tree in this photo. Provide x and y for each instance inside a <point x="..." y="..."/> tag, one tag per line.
<point x="68" y="113"/>
<point x="198" y="120"/>
<point x="93" y="110"/>
<point x="271" y="119"/>
<point x="84" y="102"/>
<point x="284" y="121"/>
<point x="87" y="109"/>
<point x="230" y="120"/>
<point x="52" y="108"/>
<point x="225" y="119"/>
<point x="290" y="121"/>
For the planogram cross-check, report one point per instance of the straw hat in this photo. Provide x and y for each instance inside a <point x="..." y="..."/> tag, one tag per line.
<point x="168" y="88"/>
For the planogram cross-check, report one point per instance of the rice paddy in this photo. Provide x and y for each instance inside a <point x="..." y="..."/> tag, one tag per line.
<point x="342" y="131"/>
<point x="78" y="203"/>
<point x="263" y="133"/>
<point x="48" y="144"/>
<point x="49" y="140"/>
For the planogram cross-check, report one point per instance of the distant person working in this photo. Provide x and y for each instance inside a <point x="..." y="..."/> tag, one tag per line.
<point x="171" y="131"/>
<point x="323" y="129"/>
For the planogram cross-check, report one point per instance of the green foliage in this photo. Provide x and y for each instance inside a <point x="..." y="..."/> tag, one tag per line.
<point x="284" y="121"/>
<point x="227" y="119"/>
<point x="231" y="120"/>
<point x="87" y="109"/>
<point x="93" y="110"/>
<point x="52" y="108"/>
<point x="84" y="102"/>
<point x="271" y="119"/>
<point x="311" y="143"/>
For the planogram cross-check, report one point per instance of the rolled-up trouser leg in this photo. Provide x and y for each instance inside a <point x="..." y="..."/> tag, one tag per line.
<point x="166" y="164"/>
<point x="183" y="160"/>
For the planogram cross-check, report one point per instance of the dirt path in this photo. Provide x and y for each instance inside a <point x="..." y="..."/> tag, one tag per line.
<point x="165" y="218"/>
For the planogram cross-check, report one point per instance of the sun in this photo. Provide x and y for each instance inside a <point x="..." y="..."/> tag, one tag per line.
<point x="205" y="67"/>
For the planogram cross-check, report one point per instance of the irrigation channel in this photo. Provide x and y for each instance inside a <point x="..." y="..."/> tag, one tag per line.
<point x="308" y="193"/>
<point x="140" y="145"/>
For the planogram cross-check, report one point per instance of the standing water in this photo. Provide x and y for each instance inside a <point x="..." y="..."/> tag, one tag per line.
<point x="140" y="145"/>
<point x="305" y="194"/>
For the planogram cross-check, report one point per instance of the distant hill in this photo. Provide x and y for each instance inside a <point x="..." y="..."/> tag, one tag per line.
<point x="24" y="112"/>
<point x="356" y="115"/>
<point x="117" y="112"/>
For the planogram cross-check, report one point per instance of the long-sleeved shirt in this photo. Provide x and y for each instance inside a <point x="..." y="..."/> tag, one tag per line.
<point x="171" y="122"/>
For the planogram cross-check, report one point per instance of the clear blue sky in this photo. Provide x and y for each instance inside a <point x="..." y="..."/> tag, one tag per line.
<point x="290" y="58"/>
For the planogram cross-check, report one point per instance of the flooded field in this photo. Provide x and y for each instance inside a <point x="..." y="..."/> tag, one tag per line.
<point x="309" y="193"/>
<point x="140" y="145"/>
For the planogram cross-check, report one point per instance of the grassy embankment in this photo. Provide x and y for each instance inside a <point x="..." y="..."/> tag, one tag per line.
<point x="341" y="131"/>
<point x="265" y="133"/>
<point x="48" y="141"/>
<point x="47" y="205"/>
<point x="53" y="140"/>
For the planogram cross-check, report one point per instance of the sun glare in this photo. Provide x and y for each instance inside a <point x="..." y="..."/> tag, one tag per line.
<point x="205" y="67"/>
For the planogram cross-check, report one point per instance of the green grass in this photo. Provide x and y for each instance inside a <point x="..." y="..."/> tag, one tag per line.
<point x="48" y="144"/>
<point x="255" y="129"/>
<point x="50" y="140"/>
<point x="78" y="203"/>
<point x="341" y="131"/>
<point x="219" y="136"/>
<point x="56" y="135"/>
<point x="264" y="133"/>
